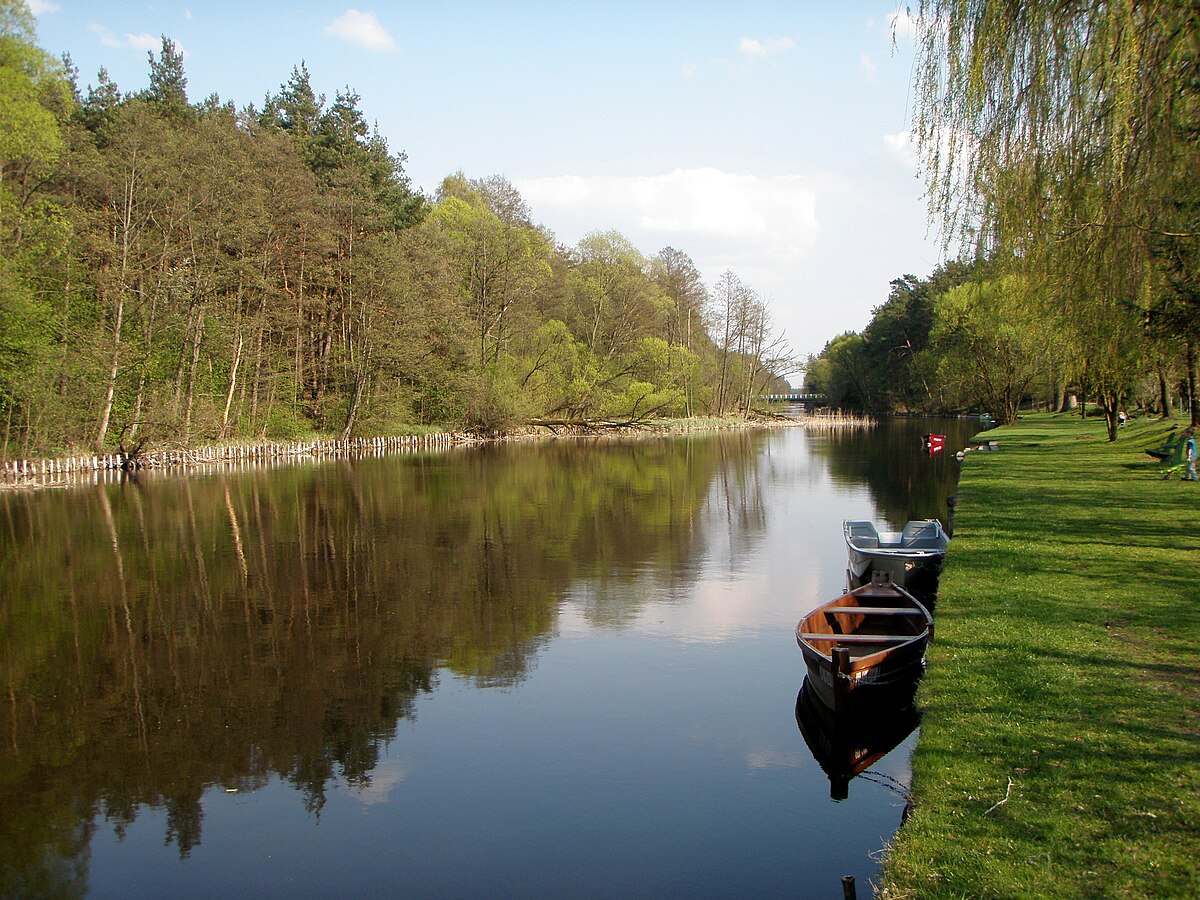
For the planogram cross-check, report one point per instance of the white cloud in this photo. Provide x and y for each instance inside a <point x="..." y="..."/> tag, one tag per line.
<point x="361" y="28"/>
<point x="902" y="26"/>
<point x="870" y="71"/>
<point x="106" y="37"/>
<point x="41" y="7"/>
<point x="766" y="229"/>
<point x="689" y="69"/>
<point x="774" y="758"/>
<point x="385" y="778"/>
<point x="902" y="146"/>
<point x="722" y="216"/>
<point x="797" y="240"/>
<point x="753" y="47"/>
<point x="142" y="41"/>
<point x="145" y="41"/>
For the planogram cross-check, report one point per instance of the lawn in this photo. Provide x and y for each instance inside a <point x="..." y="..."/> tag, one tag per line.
<point x="1059" y="753"/>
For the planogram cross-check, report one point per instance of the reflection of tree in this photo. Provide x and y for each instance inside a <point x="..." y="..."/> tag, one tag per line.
<point x="881" y="458"/>
<point x="159" y="640"/>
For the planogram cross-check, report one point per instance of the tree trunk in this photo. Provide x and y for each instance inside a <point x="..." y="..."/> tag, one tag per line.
<point x="256" y="387"/>
<point x="1110" y="402"/>
<point x="197" y="333"/>
<point x="114" y="368"/>
<point x="1193" y="406"/>
<point x="233" y="370"/>
<point x="360" y="386"/>
<point x="181" y="365"/>
<point x="1164" y="395"/>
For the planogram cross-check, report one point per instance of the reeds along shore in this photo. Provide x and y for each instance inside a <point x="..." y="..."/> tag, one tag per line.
<point x="835" y="419"/>
<point x="97" y="469"/>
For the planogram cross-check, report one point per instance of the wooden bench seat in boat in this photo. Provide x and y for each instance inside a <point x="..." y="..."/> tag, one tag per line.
<point x="857" y="638"/>
<point x="874" y="611"/>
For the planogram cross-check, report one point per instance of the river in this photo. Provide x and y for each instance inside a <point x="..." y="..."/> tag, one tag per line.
<point x="563" y="668"/>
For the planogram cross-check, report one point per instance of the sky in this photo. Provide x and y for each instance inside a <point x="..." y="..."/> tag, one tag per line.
<point x="766" y="139"/>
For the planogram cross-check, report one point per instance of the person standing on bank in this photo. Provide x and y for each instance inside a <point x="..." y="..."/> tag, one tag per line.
<point x="1189" y="455"/>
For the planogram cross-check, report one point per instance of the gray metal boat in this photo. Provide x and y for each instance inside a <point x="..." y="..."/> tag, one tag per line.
<point x="919" y="548"/>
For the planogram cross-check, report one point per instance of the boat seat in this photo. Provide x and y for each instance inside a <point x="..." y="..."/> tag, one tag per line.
<point x="876" y="611"/>
<point x="858" y="638"/>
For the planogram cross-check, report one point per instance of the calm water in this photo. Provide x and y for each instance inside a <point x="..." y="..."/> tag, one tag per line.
<point x="564" y="669"/>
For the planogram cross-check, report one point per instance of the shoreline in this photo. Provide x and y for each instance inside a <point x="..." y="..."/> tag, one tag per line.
<point x="1059" y="734"/>
<point x="81" y="469"/>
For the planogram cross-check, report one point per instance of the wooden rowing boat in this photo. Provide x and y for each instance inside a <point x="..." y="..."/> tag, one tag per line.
<point x="869" y="641"/>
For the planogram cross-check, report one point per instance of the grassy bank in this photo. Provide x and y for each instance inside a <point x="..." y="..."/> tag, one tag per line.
<point x="1059" y="753"/>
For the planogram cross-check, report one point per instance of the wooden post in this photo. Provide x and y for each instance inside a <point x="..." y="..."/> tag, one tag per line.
<point x="841" y="676"/>
<point x="848" y="889"/>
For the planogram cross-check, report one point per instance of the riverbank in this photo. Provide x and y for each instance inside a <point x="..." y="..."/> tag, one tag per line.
<point x="64" y="471"/>
<point x="1059" y="753"/>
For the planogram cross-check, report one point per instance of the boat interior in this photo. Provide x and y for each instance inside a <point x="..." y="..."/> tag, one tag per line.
<point x="924" y="534"/>
<point x="862" y="629"/>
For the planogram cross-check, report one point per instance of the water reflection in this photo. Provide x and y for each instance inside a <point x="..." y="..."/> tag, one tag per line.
<point x="457" y="666"/>
<point x="846" y="744"/>
<point x="163" y="638"/>
<point x="904" y="481"/>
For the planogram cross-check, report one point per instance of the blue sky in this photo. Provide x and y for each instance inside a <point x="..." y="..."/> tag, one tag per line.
<point x="764" y="138"/>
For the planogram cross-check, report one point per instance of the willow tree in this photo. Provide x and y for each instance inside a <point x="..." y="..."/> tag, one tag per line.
<point x="1052" y="132"/>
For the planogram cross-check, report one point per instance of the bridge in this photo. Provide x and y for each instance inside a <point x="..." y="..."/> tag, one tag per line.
<point x="797" y="397"/>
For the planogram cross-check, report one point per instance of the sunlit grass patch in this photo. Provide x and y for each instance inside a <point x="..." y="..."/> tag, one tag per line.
<point x="1059" y="749"/>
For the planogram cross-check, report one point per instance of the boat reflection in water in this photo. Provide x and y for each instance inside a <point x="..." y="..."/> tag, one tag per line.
<point x="846" y="744"/>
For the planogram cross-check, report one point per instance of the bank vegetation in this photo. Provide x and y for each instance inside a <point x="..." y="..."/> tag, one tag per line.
<point x="1060" y="143"/>
<point x="189" y="273"/>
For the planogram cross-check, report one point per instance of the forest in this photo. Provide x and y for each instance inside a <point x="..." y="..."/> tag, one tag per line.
<point x="1060" y="143"/>
<point x="183" y="273"/>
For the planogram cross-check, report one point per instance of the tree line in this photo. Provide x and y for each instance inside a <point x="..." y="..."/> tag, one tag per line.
<point x="192" y="272"/>
<point x="1060" y="143"/>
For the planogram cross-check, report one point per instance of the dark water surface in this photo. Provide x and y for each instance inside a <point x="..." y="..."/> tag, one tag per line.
<point x="558" y="669"/>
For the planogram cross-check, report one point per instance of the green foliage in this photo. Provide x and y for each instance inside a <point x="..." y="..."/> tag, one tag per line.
<point x="185" y="273"/>
<point x="287" y="423"/>
<point x="168" y="83"/>
<point x="21" y="338"/>
<point x="989" y="344"/>
<point x="1059" y="141"/>
<point x="849" y="384"/>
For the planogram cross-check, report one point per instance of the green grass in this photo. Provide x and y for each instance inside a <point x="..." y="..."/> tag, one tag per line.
<point x="1067" y="659"/>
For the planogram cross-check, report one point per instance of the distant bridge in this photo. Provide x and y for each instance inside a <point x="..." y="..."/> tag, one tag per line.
<point x="797" y="397"/>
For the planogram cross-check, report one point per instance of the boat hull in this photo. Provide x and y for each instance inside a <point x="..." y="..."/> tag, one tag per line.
<point x="909" y="557"/>
<point x="899" y="564"/>
<point x="864" y="683"/>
